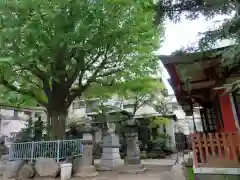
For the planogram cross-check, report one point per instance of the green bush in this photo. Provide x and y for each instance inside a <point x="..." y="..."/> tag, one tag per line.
<point x="161" y="141"/>
<point x="32" y="132"/>
<point x="157" y="154"/>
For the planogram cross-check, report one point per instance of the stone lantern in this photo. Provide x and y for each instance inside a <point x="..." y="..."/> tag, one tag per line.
<point x="83" y="167"/>
<point x="132" y="162"/>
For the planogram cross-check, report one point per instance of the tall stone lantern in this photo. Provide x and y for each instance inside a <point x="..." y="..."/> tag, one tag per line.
<point x="83" y="167"/>
<point x="132" y="162"/>
<point x="110" y="158"/>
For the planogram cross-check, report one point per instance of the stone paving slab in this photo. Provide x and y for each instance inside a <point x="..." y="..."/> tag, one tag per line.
<point x="153" y="173"/>
<point x="159" y="162"/>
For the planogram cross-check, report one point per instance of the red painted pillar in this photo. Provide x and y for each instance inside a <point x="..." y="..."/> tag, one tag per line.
<point x="227" y="113"/>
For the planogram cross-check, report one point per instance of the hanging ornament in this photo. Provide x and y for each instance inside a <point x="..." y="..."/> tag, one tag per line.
<point x="188" y="84"/>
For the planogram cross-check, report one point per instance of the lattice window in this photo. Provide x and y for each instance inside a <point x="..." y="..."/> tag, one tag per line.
<point x="211" y="119"/>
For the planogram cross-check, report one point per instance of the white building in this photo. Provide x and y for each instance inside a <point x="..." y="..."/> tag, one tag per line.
<point x="185" y="123"/>
<point x="13" y="120"/>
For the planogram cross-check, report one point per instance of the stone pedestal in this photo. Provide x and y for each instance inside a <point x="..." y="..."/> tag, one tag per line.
<point x="132" y="162"/>
<point x="83" y="167"/>
<point x="110" y="154"/>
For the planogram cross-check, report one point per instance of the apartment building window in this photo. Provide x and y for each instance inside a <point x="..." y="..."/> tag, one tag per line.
<point x="126" y="106"/>
<point x="92" y="105"/>
<point x="78" y="104"/>
<point x="174" y="107"/>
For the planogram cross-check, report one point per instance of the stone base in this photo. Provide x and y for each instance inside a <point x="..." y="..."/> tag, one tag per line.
<point x="110" y="159"/>
<point x="109" y="164"/>
<point x="87" y="171"/>
<point x="132" y="160"/>
<point x="132" y="169"/>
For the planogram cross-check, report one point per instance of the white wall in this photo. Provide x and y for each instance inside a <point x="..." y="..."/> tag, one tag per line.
<point x="11" y="126"/>
<point x="170" y="127"/>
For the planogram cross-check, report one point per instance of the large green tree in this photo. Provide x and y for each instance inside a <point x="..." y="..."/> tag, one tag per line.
<point x="52" y="51"/>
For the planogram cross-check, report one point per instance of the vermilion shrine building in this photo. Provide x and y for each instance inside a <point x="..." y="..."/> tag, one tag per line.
<point x="218" y="145"/>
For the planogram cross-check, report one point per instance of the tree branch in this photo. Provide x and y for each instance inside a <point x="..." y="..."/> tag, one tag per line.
<point x="79" y="67"/>
<point x="34" y="70"/>
<point x="23" y="91"/>
<point x="77" y="92"/>
<point x="109" y="72"/>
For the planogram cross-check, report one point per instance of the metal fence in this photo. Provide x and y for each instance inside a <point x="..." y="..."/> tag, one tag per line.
<point x="58" y="150"/>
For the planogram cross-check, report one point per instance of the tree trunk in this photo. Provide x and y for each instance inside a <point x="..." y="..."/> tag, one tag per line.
<point x="57" y="124"/>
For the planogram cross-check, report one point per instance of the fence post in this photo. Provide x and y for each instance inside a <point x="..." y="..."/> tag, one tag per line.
<point x="32" y="151"/>
<point x="81" y="147"/>
<point x="58" y="150"/>
<point x="10" y="152"/>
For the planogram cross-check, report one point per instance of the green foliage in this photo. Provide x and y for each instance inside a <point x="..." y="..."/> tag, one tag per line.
<point x="192" y="9"/>
<point x="54" y="44"/>
<point x="158" y="121"/>
<point x="32" y="131"/>
<point x="190" y="173"/>
<point x="25" y="135"/>
<point x="38" y="130"/>
<point x="12" y="98"/>
<point x="52" y="51"/>
<point x="161" y="107"/>
<point x="140" y="86"/>
<point x="141" y="91"/>
<point x="75" y="129"/>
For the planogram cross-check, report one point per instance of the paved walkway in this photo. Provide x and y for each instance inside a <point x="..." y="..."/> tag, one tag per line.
<point x="153" y="173"/>
<point x="158" y="169"/>
<point x="169" y="161"/>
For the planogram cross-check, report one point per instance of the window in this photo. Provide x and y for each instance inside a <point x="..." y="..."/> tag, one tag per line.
<point x="164" y="128"/>
<point x="92" y="105"/>
<point x="203" y="119"/>
<point x="78" y="105"/>
<point x="174" y="107"/>
<point x="211" y="119"/>
<point x="126" y="106"/>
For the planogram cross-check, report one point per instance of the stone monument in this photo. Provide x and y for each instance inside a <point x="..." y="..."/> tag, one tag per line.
<point x="132" y="162"/>
<point x="83" y="166"/>
<point x="3" y="148"/>
<point x="110" y="153"/>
